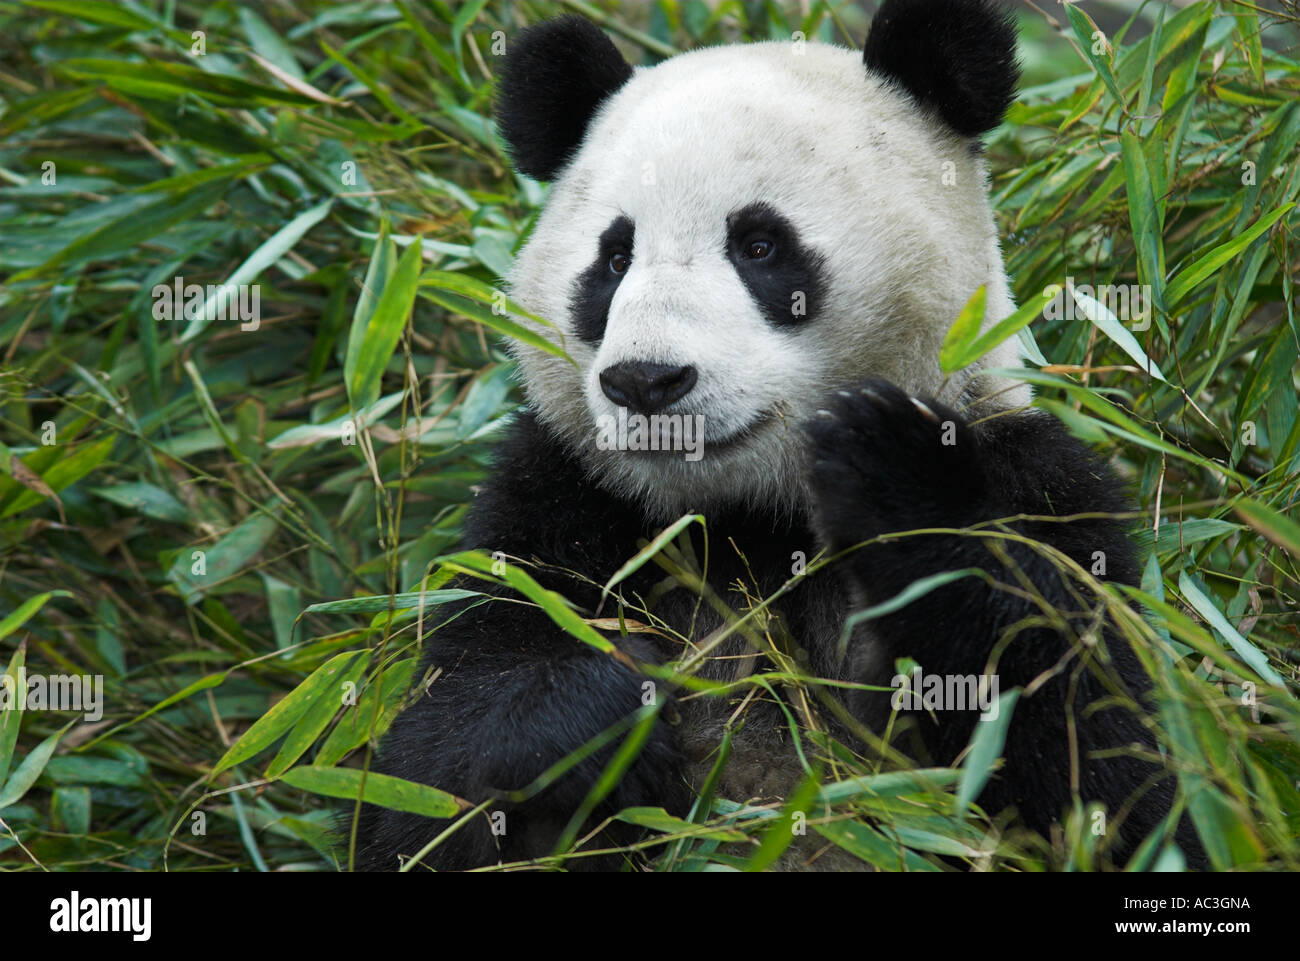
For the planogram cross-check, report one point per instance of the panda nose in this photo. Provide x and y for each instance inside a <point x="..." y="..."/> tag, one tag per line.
<point x="645" y="387"/>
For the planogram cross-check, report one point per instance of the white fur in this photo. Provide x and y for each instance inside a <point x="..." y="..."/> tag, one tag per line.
<point x="858" y="171"/>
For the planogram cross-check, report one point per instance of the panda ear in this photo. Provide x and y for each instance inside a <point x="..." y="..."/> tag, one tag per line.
<point x="957" y="57"/>
<point x="556" y="74"/>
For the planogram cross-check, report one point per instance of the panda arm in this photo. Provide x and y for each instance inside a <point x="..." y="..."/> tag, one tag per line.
<point x="885" y="464"/>
<point x="513" y="693"/>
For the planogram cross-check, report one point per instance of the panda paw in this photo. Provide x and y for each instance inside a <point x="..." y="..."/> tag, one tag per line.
<point x="882" y="461"/>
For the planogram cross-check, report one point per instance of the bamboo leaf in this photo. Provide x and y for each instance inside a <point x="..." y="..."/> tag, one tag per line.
<point x="1281" y="530"/>
<point x="275" y="247"/>
<point x="26" y="773"/>
<point x="664" y="537"/>
<point x="1198" y="272"/>
<point x="382" y="330"/>
<point x="285" y="713"/>
<point x="1247" y="651"/>
<point x="963" y="332"/>
<point x="985" y="748"/>
<point x="381" y="789"/>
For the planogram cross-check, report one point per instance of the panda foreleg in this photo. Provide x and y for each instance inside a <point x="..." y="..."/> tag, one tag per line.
<point x="884" y="463"/>
<point x="512" y="696"/>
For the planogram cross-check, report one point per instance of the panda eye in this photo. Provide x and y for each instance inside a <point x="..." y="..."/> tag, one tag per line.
<point x="759" y="249"/>
<point x="619" y="263"/>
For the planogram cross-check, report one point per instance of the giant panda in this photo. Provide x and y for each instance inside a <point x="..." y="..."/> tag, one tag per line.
<point x="770" y="240"/>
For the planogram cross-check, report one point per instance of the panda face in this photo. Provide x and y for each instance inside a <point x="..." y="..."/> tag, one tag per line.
<point x="740" y="231"/>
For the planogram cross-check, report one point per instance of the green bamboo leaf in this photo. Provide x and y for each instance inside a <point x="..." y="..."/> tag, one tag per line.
<point x="96" y="11"/>
<point x="224" y="559"/>
<point x="1269" y="380"/>
<point x="868" y="844"/>
<point x="890" y="784"/>
<point x="780" y="834"/>
<point x="25" y="610"/>
<point x="353" y="728"/>
<point x="397" y="602"/>
<point x="11" y="718"/>
<point x="210" y="413"/>
<point x="666" y="536"/>
<point x="557" y="608"/>
<point x="920" y="839"/>
<point x="147" y="499"/>
<point x="383" y="261"/>
<point x="80" y="769"/>
<point x="1195" y="274"/>
<point x="1224" y="828"/>
<point x="657" y="819"/>
<point x="491" y="249"/>
<point x="26" y="773"/>
<point x="963" y="332"/>
<point x="1177" y="536"/>
<point x="1149" y="67"/>
<point x="1144" y="216"/>
<point x="202" y="684"/>
<point x="1111" y="419"/>
<point x="474" y="289"/>
<point x="376" y="86"/>
<point x="1082" y="104"/>
<point x="464" y="18"/>
<point x="1247" y="651"/>
<point x="985" y="748"/>
<point x="181" y="184"/>
<point x="486" y="394"/>
<point x="319" y="713"/>
<point x="1248" y="30"/>
<point x="627" y="753"/>
<point x="381" y="789"/>
<point x="67" y="470"/>
<point x="275" y="247"/>
<point x="134" y="227"/>
<point x="1085" y="31"/>
<point x="159" y="80"/>
<point x="914" y="591"/>
<point x="268" y="43"/>
<point x="432" y="46"/>
<point x="1281" y="530"/>
<point x="305" y="435"/>
<point x="1101" y="317"/>
<point x="285" y="713"/>
<point x="70" y="809"/>
<point x="283" y="602"/>
<point x="497" y="322"/>
<point x="383" y="329"/>
<point x="1007" y="327"/>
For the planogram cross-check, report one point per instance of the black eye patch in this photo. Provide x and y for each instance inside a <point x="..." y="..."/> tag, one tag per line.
<point x="593" y="290"/>
<point x="783" y="275"/>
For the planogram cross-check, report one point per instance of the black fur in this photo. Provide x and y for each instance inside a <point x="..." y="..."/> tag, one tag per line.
<point x="791" y="268"/>
<point x="556" y="74"/>
<point x="516" y="694"/>
<point x="593" y="291"/>
<point x="881" y="464"/>
<point x="957" y="57"/>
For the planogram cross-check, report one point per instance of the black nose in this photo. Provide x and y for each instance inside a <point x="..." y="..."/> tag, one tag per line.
<point x="645" y="387"/>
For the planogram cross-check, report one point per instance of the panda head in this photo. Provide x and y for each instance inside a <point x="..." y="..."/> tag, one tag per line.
<point x="735" y="232"/>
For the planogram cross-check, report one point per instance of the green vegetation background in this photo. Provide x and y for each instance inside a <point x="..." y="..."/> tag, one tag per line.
<point x="342" y="156"/>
